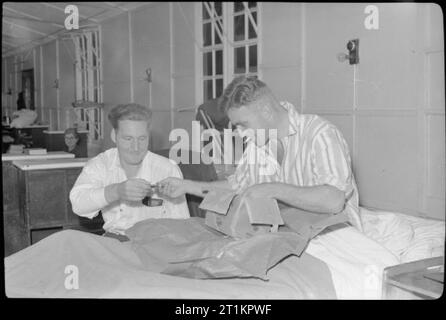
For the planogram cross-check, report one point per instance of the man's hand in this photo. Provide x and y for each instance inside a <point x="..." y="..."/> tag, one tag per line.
<point x="129" y="190"/>
<point x="172" y="187"/>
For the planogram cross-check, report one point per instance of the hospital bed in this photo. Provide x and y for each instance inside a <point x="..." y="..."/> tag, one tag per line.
<point x="348" y="264"/>
<point x="341" y="263"/>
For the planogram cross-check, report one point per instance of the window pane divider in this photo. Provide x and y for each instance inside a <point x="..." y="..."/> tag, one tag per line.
<point x="251" y="18"/>
<point x="214" y="21"/>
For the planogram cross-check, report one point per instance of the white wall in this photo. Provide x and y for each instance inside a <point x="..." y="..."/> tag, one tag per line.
<point x="162" y="44"/>
<point x="390" y="106"/>
<point x="280" y="53"/>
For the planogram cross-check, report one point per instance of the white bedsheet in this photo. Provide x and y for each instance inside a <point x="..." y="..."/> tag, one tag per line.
<point x="356" y="262"/>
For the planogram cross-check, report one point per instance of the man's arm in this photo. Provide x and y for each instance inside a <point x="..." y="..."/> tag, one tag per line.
<point x="320" y="199"/>
<point x="87" y="195"/>
<point x="200" y="188"/>
<point x="175" y="187"/>
<point x="177" y="206"/>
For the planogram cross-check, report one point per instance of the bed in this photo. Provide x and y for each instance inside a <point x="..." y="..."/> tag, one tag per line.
<point x="338" y="264"/>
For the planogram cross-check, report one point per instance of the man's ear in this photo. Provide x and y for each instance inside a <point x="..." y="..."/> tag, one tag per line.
<point x="266" y="111"/>
<point x="113" y="135"/>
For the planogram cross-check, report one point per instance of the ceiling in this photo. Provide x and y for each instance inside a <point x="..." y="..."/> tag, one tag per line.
<point x="26" y="25"/>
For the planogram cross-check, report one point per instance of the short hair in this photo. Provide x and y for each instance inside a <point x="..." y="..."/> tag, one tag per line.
<point x="242" y="91"/>
<point x="72" y="131"/>
<point x="131" y="111"/>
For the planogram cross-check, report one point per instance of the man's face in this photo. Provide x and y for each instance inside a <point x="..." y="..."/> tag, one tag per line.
<point x="132" y="141"/>
<point x="250" y="119"/>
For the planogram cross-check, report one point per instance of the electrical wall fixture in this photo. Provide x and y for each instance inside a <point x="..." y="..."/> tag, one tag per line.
<point x="353" y="52"/>
<point x="149" y="75"/>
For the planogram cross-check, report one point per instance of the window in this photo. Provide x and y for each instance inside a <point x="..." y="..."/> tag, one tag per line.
<point x="88" y="83"/>
<point x="244" y="17"/>
<point x="87" y="66"/>
<point x="212" y="24"/>
<point x="229" y="38"/>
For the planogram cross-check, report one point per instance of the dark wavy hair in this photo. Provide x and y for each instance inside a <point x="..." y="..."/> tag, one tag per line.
<point x="131" y="111"/>
<point x="242" y="91"/>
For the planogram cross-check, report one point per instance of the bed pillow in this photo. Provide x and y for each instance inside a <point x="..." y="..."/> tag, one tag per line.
<point x="388" y="229"/>
<point x="428" y="240"/>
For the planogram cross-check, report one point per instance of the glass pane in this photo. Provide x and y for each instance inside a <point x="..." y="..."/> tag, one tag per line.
<point x="218" y="87"/>
<point x="207" y="90"/>
<point x="219" y="62"/>
<point x="239" y="60"/>
<point x="239" y="28"/>
<point x="216" y="35"/>
<point x="207" y="63"/>
<point x="218" y="8"/>
<point x="253" y="58"/>
<point x="252" y="5"/>
<point x="207" y="35"/>
<point x="251" y="31"/>
<point x="238" y="6"/>
<point x="205" y="12"/>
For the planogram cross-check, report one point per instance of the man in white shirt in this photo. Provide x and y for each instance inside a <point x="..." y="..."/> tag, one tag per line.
<point x="116" y="181"/>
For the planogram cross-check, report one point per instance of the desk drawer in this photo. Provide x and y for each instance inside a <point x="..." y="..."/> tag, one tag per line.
<point x="46" y="197"/>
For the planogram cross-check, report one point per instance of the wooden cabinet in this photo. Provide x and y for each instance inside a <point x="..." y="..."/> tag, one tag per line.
<point x="44" y="207"/>
<point x="15" y="235"/>
<point x="43" y="197"/>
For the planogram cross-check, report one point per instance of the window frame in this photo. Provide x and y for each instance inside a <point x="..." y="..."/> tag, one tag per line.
<point x="88" y="79"/>
<point x="228" y="46"/>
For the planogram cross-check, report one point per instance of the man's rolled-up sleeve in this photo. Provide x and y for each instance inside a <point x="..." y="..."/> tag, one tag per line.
<point x="331" y="161"/>
<point x="88" y="193"/>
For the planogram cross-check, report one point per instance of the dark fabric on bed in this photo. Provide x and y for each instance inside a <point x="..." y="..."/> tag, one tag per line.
<point x="108" y="268"/>
<point x="188" y="248"/>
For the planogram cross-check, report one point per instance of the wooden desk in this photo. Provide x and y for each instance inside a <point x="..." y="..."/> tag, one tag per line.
<point x="412" y="280"/>
<point x="43" y="201"/>
<point x="48" y="155"/>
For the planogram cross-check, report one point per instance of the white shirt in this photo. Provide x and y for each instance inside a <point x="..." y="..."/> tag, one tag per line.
<point x="88" y="194"/>
<point x="315" y="153"/>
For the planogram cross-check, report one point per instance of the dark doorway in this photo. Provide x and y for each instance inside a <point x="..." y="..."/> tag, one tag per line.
<point x="28" y="88"/>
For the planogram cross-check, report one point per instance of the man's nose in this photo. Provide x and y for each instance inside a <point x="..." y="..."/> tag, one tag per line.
<point x="135" y="146"/>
